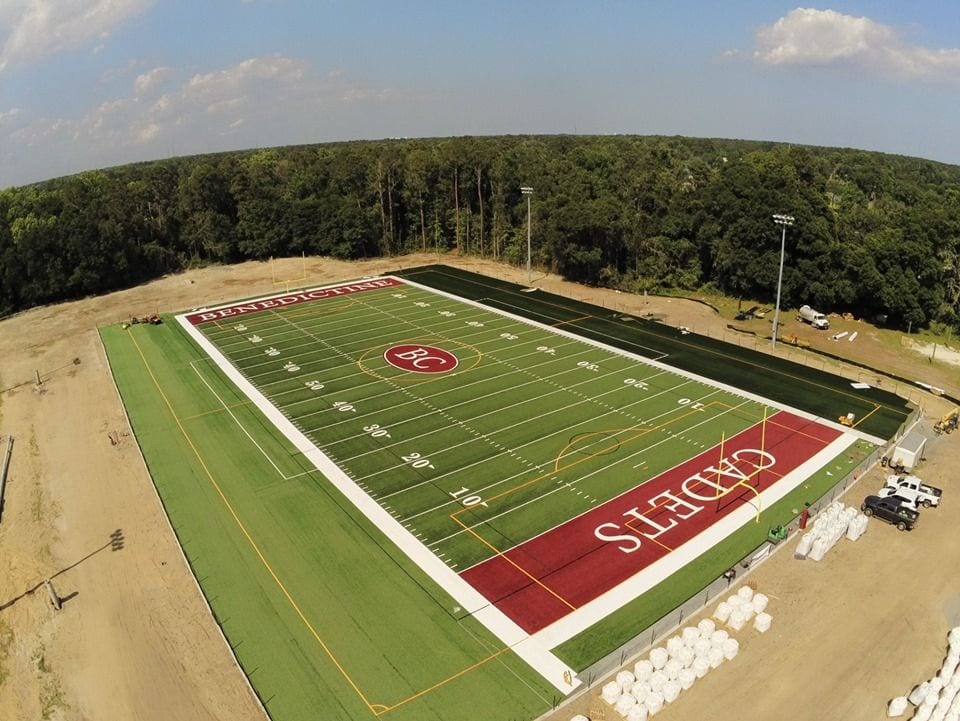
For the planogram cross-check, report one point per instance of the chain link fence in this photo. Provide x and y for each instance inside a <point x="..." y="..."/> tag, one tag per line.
<point x="664" y="627"/>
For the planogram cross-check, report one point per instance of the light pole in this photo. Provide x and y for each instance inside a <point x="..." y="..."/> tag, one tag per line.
<point x="528" y="191"/>
<point x="783" y="221"/>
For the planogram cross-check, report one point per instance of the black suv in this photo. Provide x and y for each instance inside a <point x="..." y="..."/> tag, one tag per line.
<point x="892" y="510"/>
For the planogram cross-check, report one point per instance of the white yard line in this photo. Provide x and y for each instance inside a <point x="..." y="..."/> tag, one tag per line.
<point x="584" y="477"/>
<point x="659" y="571"/>
<point x="242" y="428"/>
<point x="534" y="649"/>
<point x="467" y="597"/>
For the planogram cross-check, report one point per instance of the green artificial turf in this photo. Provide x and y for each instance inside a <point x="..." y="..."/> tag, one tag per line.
<point x="325" y="615"/>
<point x="292" y="571"/>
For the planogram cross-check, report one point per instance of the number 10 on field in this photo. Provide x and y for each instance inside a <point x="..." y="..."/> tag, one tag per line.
<point x="468" y="501"/>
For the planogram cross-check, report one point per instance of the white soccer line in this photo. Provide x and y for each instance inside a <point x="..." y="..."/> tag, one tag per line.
<point x="539" y="658"/>
<point x="242" y="428"/>
<point x="464" y="422"/>
<point x="297" y="420"/>
<point x="535" y="649"/>
<point x="659" y="355"/>
<point x="585" y="476"/>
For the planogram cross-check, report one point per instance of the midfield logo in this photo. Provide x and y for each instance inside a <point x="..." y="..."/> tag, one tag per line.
<point x="421" y="358"/>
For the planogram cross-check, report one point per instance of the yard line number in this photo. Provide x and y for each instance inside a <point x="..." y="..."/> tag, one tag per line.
<point x="467" y="501"/>
<point x="415" y="460"/>
<point x="375" y="431"/>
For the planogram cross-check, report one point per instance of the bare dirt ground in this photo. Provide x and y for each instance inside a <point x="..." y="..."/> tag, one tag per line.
<point x="134" y="639"/>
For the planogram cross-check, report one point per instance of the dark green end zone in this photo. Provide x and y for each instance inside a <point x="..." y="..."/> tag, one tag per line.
<point x="880" y="412"/>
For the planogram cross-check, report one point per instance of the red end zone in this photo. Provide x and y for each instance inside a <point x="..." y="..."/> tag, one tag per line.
<point x="281" y="301"/>
<point x="555" y="573"/>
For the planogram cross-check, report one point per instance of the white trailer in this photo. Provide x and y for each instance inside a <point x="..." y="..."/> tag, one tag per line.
<point x="909" y="452"/>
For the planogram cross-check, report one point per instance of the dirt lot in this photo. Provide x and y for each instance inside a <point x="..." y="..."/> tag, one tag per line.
<point x="135" y="641"/>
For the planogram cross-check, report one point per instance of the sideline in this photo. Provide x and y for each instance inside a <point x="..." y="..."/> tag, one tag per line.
<point x="533" y="649"/>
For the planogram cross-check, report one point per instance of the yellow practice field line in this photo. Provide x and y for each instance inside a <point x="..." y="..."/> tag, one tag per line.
<point x="238" y="404"/>
<point x="875" y="409"/>
<point x="437" y="685"/>
<point x="514" y="489"/>
<point x="517" y="566"/>
<point x="572" y="320"/>
<point x="613" y="446"/>
<point x="650" y="510"/>
<point x="243" y="529"/>
<point x="659" y="543"/>
<point x="799" y="433"/>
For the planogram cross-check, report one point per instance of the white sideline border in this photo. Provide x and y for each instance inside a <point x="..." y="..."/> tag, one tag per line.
<point x="534" y="649"/>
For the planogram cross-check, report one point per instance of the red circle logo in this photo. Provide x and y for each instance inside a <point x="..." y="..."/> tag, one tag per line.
<point x="421" y="358"/>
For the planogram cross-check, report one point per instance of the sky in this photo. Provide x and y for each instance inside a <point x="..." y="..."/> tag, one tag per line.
<point x="86" y="84"/>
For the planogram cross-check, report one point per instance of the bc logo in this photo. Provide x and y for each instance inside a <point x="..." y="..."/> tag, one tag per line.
<point x="421" y="358"/>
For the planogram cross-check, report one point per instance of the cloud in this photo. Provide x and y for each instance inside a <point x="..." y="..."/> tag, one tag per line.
<point x="10" y="114"/>
<point x="274" y="68"/>
<point x="827" y="38"/>
<point x="150" y="80"/>
<point x="33" y="29"/>
<point x="259" y="101"/>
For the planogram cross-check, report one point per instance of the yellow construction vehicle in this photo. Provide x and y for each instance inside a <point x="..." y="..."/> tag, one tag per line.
<point x="948" y="423"/>
<point x="793" y="340"/>
<point x="847" y="420"/>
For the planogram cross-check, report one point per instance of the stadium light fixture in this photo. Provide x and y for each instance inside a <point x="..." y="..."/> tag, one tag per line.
<point x="783" y="221"/>
<point x="528" y="191"/>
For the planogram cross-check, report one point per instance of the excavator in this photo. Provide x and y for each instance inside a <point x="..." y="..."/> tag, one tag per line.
<point x="947" y="423"/>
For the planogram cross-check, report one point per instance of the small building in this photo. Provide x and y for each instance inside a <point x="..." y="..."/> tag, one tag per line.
<point x="909" y="452"/>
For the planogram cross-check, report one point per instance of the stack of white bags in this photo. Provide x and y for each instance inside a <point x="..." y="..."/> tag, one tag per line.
<point x="742" y="607"/>
<point x="831" y="524"/>
<point x="939" y="698"/>
<point x="671" y="669"/>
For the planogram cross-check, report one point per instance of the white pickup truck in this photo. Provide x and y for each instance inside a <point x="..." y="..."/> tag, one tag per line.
<point x="912" y="489"/>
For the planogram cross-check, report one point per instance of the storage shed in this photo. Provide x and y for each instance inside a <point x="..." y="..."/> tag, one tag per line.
<point x="909" y="452"/>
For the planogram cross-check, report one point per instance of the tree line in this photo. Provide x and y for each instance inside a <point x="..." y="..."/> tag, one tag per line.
<point x="873" y="234"/>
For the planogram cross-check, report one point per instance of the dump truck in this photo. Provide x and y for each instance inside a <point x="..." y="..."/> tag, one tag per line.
<point x="813" y="317"/>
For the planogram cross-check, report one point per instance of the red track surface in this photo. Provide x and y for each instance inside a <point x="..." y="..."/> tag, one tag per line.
<point x="545" y="578"/>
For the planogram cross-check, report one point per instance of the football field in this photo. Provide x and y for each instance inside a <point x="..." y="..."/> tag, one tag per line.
<point x="542" y="479"/>
<point x="397" y="500"/>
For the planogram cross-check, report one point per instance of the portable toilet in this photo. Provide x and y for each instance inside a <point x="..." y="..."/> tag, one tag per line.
<point x="909" y="451"/>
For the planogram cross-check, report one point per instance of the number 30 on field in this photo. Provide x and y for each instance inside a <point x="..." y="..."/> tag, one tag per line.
<point x="468" y="501"/>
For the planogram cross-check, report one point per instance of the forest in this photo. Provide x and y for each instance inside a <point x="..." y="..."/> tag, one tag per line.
<point x="873" y="234"/>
